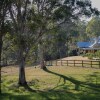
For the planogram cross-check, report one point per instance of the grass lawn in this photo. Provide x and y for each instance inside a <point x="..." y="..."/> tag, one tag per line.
<point x="54" y="83"/>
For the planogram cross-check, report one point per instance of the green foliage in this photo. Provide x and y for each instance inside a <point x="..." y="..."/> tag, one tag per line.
<point x="89" y="55"/>
<point x="93" y="29"/>
<point x="93" y="55"/>
<point x="9" y="50"/>
<point x="81" y="31"/>
<point x="98" y="54"/>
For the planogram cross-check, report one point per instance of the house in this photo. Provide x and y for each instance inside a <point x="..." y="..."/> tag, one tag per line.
<point x="89" y="47"/>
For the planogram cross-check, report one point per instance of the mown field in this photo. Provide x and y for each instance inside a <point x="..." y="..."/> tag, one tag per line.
<point x="54" y="83"/>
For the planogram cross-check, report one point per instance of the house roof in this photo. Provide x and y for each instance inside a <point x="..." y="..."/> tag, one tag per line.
<point x="83" y="44"/>
<point x="93" y="43"/>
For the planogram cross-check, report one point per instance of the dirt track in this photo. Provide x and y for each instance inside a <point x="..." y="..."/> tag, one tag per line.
<point x="75" y="58"/>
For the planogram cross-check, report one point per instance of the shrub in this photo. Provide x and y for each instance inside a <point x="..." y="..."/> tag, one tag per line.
<point x="97" y="54"/>
<point x="89" y="55"/>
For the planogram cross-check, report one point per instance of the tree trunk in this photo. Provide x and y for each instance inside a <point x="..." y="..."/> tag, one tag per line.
<point x="41" y="56"/>
<point x="22" y="78"/>
<point x="42" y="64"/>
<point x="1" y="43"/>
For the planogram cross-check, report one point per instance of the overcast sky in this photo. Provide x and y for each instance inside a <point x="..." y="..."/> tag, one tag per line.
<point x="96" y="3"/>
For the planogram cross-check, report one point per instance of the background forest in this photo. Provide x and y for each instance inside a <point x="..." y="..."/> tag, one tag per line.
<point x="57" y="44"/>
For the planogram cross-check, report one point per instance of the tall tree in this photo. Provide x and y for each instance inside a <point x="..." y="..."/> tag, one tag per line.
<point x="82" y="31"/>
<point x="18" y="10"/>
<point x="25" y="31"/>
<point x="3" y="30"/>
<point x="93" y="27"/>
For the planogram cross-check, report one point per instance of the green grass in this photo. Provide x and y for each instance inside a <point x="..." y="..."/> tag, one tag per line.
<point x="55" y="83"/>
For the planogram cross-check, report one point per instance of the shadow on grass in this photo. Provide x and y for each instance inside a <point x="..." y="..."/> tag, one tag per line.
<point x="54" y="94"/>
<point x="77" y="83"/>
<point x="29" y="89"/>
<point x="51" y="95"/>
<point x="93" y="78"/>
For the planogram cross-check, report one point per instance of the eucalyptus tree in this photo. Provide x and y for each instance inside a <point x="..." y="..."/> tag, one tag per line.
<point x="3" y="27"/>
<point x="81" y="29"/>
<point x="93" y="27"/>
<point x="25" y="31"/>
<point x="8" y="51"/>
<point x="18" y="11"/>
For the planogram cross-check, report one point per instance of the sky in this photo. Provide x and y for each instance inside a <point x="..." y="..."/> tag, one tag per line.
<point x="96" y="3"/>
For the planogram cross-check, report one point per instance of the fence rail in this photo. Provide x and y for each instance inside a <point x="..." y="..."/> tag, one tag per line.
<point x="77" y="63"/>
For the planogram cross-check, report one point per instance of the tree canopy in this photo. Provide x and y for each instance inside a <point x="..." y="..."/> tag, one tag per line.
<point x="93" y="27"/>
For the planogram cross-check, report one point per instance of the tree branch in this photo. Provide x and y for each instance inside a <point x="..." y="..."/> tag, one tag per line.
<point x="12" y="16"/>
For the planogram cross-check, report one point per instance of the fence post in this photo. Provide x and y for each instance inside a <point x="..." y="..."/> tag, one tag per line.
<point x="82" y="63"/>
<point x="74" y="62"/>
<point x="51" y="63"/>
<point x="56" y="62"/>
<point x="91" y="64"/>
<point x="46" y="63"/>
<point x="61" y="62"/>
<point x="67" y="62"/>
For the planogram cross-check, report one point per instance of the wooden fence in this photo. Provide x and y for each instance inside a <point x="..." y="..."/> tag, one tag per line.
<point x="77" y="63"/>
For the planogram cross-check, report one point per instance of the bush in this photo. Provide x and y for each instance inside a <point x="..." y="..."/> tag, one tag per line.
<point x="89" y="55"/>
<point x="97" y="54"/>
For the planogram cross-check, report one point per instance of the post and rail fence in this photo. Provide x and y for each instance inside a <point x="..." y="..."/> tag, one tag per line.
<point x="75" y="63"/>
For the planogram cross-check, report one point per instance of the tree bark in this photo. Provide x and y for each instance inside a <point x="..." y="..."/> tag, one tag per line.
<point x="22" y="78"/>
<point x="41" y="56"/>
<point x="1" y="43"/>
<point x="42" y="64"/>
